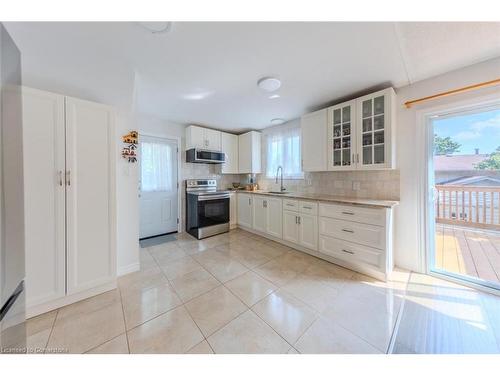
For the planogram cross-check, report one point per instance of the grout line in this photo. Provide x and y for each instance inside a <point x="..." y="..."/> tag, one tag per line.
<point x="124" y="320"/>
<point x="399" y="317"/>
<point x="51" y="330"/>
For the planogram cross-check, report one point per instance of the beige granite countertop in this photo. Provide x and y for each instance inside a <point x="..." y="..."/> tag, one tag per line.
<point x="327" y="198"/>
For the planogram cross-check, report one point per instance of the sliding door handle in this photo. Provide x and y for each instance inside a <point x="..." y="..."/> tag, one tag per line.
<point x="68" y="178"/>
<point x="60" y="178"/>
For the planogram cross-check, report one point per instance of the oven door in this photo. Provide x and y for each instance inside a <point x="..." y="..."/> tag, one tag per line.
<point x="213" y="210"/>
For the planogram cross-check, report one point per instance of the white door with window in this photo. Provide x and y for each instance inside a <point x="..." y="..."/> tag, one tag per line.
<point x="158" y="186"/>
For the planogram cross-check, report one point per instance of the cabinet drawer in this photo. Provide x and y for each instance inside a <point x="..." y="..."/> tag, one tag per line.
<point x="308" y="207"/>
<point x="365" y="234"/>
<point x="351" y="252"/>
<point x="291" y="205"/>
<point x="374" y="216"/>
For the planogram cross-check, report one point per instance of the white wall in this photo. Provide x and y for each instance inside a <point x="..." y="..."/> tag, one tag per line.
<point x="127" y="203"/>
<point x="407" y="230"/>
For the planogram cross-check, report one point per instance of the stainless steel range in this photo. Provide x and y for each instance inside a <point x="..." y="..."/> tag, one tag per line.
<point x="207" y="209"/>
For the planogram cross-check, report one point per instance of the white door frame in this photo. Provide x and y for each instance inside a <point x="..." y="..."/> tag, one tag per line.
<point x="424" y="155"/>
<point x="179" y="177"/>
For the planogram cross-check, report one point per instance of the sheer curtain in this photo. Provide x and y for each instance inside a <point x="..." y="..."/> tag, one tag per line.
<point x="156" y="166"/>
<point x="283" y="148"/>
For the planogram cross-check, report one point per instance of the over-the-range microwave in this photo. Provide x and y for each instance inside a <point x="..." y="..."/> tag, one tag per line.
<point x="195" y="155"/>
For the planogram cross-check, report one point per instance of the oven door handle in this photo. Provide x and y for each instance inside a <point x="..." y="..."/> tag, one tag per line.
<point x="212" y="197"/>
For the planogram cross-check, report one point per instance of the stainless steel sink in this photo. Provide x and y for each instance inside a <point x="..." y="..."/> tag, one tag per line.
<point x="278" y="192"/>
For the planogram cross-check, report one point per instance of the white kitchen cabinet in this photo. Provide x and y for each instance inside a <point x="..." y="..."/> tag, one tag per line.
<point x="245" y="210"/>
<point x="259" y="214"/>
<point x="274" y="208"/>
<point x="203" y="138"/>
<point x="267" y="215"/>
<point x="230" y="147"/>
<point x="342" y="136"/>
<point x="249" y="152"/>
<point x="213" y="139"/>
<point x="69" y="190"/>
<point x="44" y="196"/>
<point x="314" y="141"/>
<point x="376" y="134"/>
<point x="355" y="135"/>
<point x="233" y="210"/>
<point x="308" y="231"/>
<point x="299" y="227"/>
<point x="89" y="189"/>
<point x="290" y="227"/>
<point x="359" y="236"/>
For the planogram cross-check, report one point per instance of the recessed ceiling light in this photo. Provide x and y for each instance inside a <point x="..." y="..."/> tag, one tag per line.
<point x="274" y="96"/>
<point x="269" y="84"/>
<point x="277" y="121"/>
<point x="157" y="27"/>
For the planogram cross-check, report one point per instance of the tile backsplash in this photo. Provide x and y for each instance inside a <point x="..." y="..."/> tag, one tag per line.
<point x="359" y="184"/>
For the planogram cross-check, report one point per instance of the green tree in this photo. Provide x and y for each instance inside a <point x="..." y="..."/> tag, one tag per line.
<point x="492" y="163"/>
<point x="445" y="146"/>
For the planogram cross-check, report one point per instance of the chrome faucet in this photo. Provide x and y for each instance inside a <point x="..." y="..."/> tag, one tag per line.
<point x="277" y="172"/>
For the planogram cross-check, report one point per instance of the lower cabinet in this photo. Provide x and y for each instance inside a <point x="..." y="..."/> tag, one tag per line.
<point x="245" y="212"/>
<point x="233" y="210"/>
<point x="301" y="229"/>
<point x="308" y="231"/>
<point x="267" y="215"/>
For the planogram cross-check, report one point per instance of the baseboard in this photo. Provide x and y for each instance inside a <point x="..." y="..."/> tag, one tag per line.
<point x="68" y="300"/>
<point x="129" y="268"/>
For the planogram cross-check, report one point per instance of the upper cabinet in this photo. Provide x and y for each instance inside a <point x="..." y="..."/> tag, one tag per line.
<point x="360" y="135"/>
<point x="230" y="148"/>
<point x="342" y="136"/>
<point x="249" y="158"/>
<point x="314" y="141"/>
<point x="375" y="134"/>
<point x="203" y="138"/>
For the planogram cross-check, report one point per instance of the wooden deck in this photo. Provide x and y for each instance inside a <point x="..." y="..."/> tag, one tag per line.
<point x="468" y="251"/>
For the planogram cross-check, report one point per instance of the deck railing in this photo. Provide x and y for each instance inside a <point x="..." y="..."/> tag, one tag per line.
<point x="475" y="206"/>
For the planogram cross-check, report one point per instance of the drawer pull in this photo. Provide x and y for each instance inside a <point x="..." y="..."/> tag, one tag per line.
<point x="348" y="251"/>
<point x="309" y="208"/>
<point x="347" y="230"/>
<point x="290" y="205"/>
<point x="347" y="213"/>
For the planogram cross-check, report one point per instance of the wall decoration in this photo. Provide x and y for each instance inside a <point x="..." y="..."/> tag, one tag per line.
<point x="129" y="151"/>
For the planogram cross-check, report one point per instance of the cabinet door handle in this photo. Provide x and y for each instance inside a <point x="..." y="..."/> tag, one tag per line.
<point x="296" y="219"/>
<point x="68" y="178"/>
<point x="348" y="251"/>
<point x="60" y="178"/>
<point x="347" y="230"/>
<point x="299" y="219"/>
<point x="249" y="201"/>
<point x="347" y="213"/>
<point x="357" y="158"/>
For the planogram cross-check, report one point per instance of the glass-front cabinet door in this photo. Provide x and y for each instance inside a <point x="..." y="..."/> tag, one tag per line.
<point x="341" y="136"/>
<point x="374" y="134"/>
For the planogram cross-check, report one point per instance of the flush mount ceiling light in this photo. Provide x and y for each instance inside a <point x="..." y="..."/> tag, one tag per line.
<point x="157" y="27"/>
<point x="269" y="84"/>
<point x="277" y="121"/>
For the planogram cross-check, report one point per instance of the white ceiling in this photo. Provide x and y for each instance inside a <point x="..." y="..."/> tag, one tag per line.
<point x="206" y="73"/>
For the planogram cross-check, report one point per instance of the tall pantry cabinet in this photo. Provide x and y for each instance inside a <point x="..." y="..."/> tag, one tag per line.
<point x="69" y="176"/>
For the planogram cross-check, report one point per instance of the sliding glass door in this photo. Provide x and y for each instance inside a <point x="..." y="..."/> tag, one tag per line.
<point x="464" y="217"/>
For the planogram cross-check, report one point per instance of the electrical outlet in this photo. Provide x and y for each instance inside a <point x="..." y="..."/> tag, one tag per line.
<point x="356" y="185"/>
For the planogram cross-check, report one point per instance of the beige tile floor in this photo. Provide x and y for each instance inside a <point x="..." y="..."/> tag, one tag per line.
<point x="238" y="293"/>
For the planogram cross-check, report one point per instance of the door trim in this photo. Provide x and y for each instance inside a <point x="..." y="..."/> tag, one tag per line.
<point x="425" y="227"/>
<point x="179" y="177"/>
